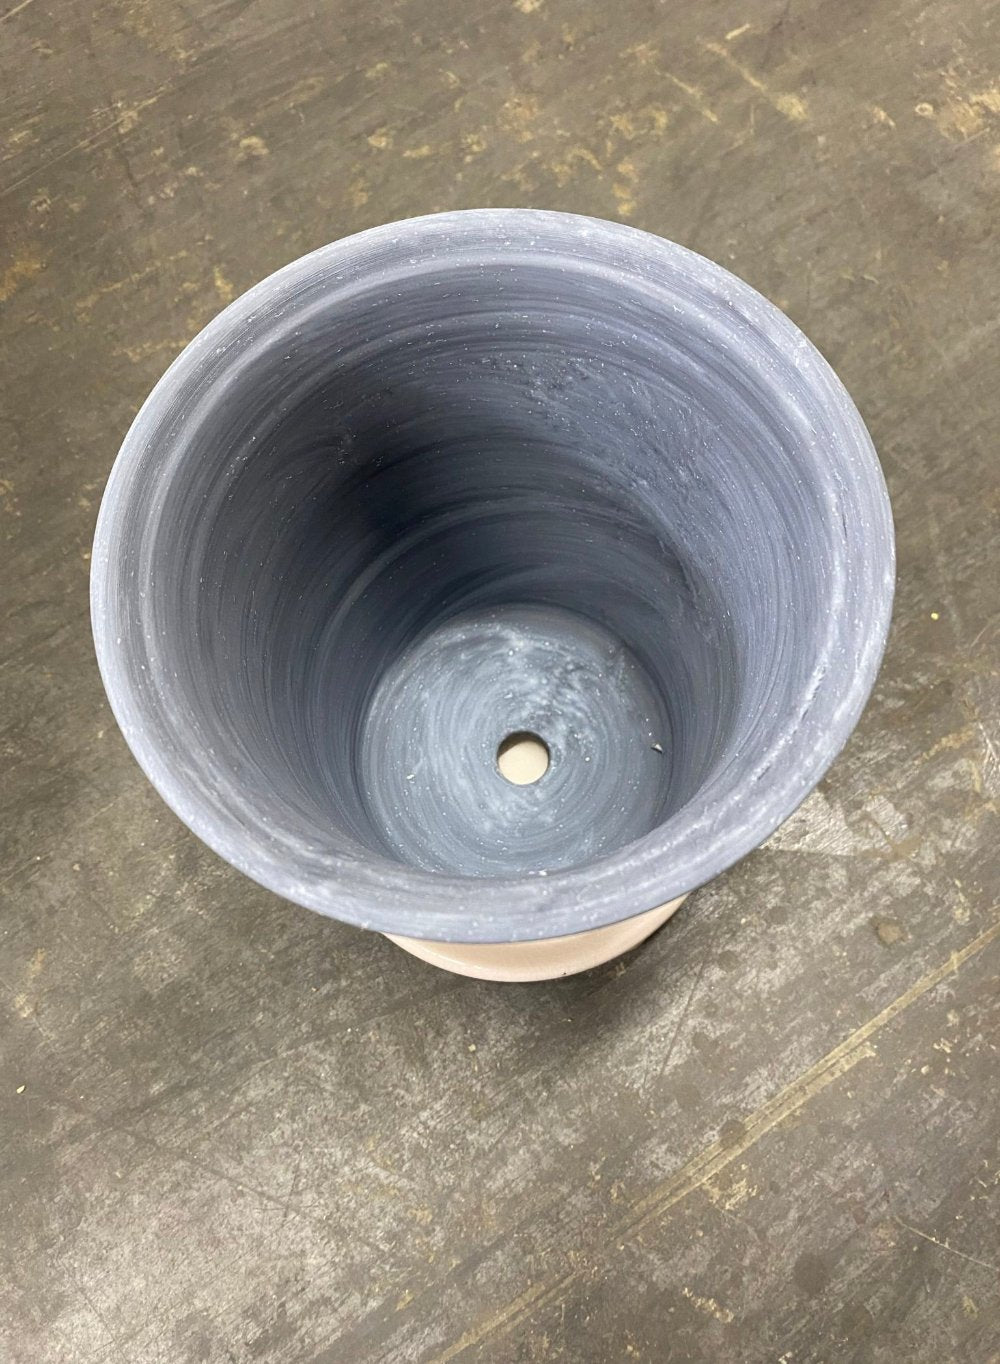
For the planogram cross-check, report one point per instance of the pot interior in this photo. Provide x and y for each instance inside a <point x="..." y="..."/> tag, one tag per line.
<point x="474" y="500"/>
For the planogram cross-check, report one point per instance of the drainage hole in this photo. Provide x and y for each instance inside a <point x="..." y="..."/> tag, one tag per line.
<point x="523" y="758"/>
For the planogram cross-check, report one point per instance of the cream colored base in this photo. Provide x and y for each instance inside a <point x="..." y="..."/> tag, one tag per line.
<point x="546" y="959"/>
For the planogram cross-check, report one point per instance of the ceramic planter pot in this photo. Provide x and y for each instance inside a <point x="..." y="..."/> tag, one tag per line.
<point x="477" y="490"/>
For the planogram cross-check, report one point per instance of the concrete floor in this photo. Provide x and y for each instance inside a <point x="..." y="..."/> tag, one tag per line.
<point x="233" y="1131"/>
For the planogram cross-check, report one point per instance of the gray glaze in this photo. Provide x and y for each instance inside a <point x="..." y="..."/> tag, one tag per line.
<point x="475" y="473"/>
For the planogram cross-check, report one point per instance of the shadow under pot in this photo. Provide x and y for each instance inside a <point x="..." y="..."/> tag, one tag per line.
<point x="492" y="580"/>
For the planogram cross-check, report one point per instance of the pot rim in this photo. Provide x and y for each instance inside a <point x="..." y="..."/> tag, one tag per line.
<point x="713" y="830"/>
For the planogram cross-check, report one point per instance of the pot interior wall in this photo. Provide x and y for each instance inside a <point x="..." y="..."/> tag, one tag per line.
<point x="469" y="502"/>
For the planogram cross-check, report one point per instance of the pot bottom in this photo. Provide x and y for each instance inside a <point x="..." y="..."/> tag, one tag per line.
<point x="544" y="959"/>
<point x="443" y="716"/>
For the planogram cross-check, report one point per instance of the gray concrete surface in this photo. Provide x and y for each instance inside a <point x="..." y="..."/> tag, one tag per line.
<point x="233" y="1131"/>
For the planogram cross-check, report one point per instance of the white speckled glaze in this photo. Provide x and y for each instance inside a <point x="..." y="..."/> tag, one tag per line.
<point x="475" y="473"/>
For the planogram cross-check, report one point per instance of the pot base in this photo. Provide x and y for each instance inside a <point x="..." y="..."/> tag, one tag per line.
<point x="544" y="959"/>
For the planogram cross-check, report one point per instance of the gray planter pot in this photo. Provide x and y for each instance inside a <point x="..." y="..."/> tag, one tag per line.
<point x="480" y="474"/>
